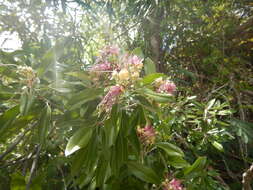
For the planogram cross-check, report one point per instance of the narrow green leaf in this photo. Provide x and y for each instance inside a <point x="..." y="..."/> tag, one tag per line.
<point x="178" y="162"/>
<point x="44" y="123"/>
<point x="79" y="140"/>
<point x="161" y="98"/>
<point x="148" y="79"/>
<point x="7" y="118"/>
<point x="26" y="102"/>
<point x="218" y="146"/>
<point x="80" y="75"/>
<point x="170" y="149"/>
<point x="77" y="100"/>
<point x="143" y="172"/>
<point x="101" y="172"/>
<point x="197" y="166"/>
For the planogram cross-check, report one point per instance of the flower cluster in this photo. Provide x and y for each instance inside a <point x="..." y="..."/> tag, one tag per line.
<point x="146" y="135"/>
<point x="174" y="184"/>
<point x="27" y="74"/>
<point x="110" y="98"/>
<point x="165" y="86"/>
<point x="129" y="70"/>
<point x="106" y="62"/>
<point x="106" y="66"/>
<point x="111" y="65"/>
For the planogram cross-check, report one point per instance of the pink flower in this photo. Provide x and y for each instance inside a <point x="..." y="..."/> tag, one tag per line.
<point x="115" y="90"/>
<point x="147" y="134"/>
<point x="174" y="184"/>
<point x="149" y="131"/>
<point x="106" y="66"/>
<point x="167" y="87"/>
<point x="110" y="98"/>
<point x="135" y="60"/>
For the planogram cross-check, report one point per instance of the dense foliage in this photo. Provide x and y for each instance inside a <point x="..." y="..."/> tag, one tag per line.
<point x="128" y="94"/>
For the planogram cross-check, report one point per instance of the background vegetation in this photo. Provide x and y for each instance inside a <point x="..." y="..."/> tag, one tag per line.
<point x="204" y="131"/>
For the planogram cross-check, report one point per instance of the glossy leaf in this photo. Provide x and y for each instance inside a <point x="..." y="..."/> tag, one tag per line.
<point x="148" y="79"/>
<point x="26" y="102"/>
<point x="197" y="166"/>
<point x="170" y="149"/>
<point x="143" y="172"/>
<point x="79" y="140"/>
<point x="158" y="97"/>
<point x="44" y="124"/>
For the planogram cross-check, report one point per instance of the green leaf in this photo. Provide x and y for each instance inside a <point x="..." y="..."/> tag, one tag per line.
<point x="197" y="166"/>
<point x="146" y="104"/>
<point x="79" y="140"/>
<point x="175" y="154"/>
<point x="51" y="56"/>
<point x="208" y="107"/>
<point x="7" y="119"/>
<point x="218" y="146"/>
<point x="77" y="100"/>
<point x="148" y="79"/>
<point x="158" y="97"/>
<point x="178" y="162"/>
<point x="119" y="153"/>
<point x="143" y="172"/>
<point x="170" y="149"/>
<point x="111" y="132"/>
<point x="26" y="102"/>
<point x="137" y="51"/>
<point x="149" y="66"/>
<point x="101" y="171"/>
<point x="243" y="129"/>
<point x="44" y="123"/>
<point x="80" y="75"/>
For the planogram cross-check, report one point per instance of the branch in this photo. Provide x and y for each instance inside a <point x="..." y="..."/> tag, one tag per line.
<point x="15" y="143"/>
<point x="246" y="178"/>
<point x="5" y="65"/>
<point x="34" y="164"/>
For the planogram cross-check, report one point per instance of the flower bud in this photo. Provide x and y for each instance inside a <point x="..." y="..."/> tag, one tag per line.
<point x="123" y="74"/>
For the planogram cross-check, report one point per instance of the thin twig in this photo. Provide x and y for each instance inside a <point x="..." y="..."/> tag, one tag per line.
<point x="5" y="65"/>
<point x="15" y="143"/>
<point x="242" y="117"/>
<point x="63" y="178"/>
<point x="34" y="164"/>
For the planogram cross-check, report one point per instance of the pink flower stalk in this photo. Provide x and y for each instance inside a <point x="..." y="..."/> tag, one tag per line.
<point x="174" y="184"/>
<point x="106" y="66"/>
<point x="110" y="98"/>
<point x="167" y="87"/>
<point x="115" y="90"/>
